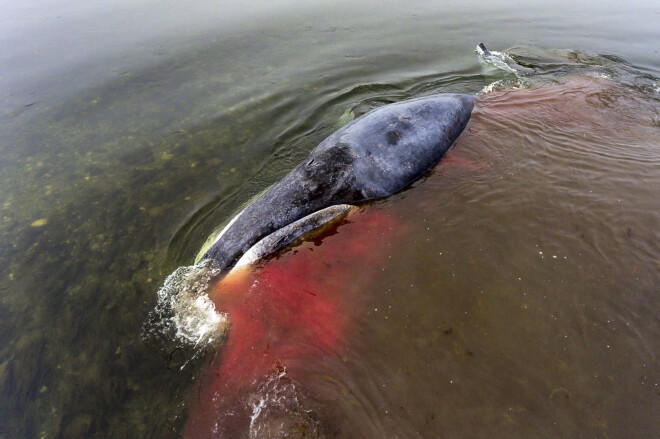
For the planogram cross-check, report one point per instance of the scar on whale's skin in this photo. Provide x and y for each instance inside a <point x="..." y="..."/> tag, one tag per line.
<point x="290" y="312"/>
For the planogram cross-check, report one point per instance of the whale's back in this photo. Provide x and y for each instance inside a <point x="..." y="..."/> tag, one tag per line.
<point x="393" y="145"/>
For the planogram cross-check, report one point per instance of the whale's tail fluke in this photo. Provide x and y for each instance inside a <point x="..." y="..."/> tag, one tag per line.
<point x="500" y="61"/>
<point x="483" y="50"/>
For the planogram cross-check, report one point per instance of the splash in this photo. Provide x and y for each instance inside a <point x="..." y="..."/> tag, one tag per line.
<point x="503" y="62"/>
<point x="499" y="60"/>
<point x="184" y="312"/>
<point x="277" y="411"/>
<point x="516" y="83"/>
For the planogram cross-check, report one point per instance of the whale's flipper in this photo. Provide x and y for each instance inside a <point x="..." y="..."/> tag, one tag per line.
<point x="311" y="224"/>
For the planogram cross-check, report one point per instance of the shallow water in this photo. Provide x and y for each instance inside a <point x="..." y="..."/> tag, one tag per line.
<point x="131" y="132"/>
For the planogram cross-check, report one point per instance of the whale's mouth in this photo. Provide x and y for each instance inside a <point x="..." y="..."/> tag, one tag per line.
<point x="303" y="229"/>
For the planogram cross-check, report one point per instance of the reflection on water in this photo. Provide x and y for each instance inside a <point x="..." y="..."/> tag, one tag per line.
<point x="519" y="301"/>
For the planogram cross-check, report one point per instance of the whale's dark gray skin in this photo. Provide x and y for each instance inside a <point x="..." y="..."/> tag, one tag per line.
<point x="374" y="156"/>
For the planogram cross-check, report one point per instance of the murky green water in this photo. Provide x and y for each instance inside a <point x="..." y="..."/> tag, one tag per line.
<point x="129" y="132"/>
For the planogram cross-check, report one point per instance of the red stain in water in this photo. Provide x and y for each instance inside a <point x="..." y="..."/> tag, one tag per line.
<point x="458" y="160"/>
<point x="292" y="311"/>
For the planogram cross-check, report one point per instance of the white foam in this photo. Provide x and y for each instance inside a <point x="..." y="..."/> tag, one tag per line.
<point x="277" y="409"/>
<point x="599" y="75"/>
<point x="502" y="61"/>
<point x="502" y="84"/>
<point x="490" y="87"/>
<point x="186" y="309"/>
<point x="499" y="60"/>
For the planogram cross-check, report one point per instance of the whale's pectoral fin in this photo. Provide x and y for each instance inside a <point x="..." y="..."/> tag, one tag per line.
<point x="304" y="228"/>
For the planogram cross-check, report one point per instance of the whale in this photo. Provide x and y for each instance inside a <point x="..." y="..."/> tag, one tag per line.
<point x="374" y="156"/>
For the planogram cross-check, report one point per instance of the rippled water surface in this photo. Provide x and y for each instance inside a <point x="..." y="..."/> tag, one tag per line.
<point x="512" y="292"/>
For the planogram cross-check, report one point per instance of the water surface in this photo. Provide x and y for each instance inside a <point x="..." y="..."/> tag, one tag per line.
<point x="521" y="301"/>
